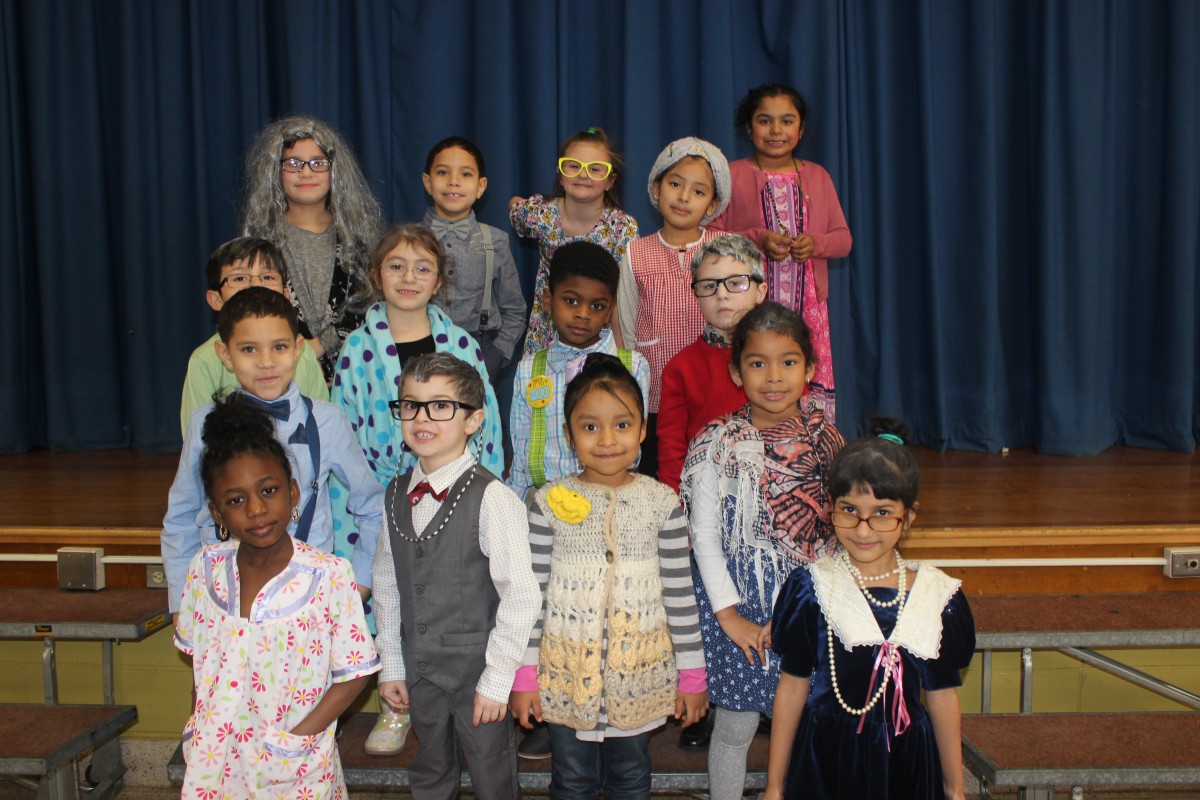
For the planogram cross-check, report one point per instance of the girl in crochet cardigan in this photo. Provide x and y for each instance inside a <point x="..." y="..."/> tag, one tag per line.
<point x="617" y="647"/>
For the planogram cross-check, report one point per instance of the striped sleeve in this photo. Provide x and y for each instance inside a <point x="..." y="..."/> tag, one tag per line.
<point x="679" y="595"/>
<point x="541" y="544"/>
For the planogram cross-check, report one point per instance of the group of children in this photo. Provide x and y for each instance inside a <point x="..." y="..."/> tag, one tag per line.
<point x="569" y="588"/>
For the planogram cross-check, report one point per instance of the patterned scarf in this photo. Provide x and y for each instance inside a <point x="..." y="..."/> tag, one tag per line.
<point x="771" y="486"/>
<point x="710" y="335"/>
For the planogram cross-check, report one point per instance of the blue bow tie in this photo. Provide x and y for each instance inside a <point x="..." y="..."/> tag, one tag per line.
<point x="279" y="409"/>
<point x="570" y="361"/>
<point x="441" y="227"/>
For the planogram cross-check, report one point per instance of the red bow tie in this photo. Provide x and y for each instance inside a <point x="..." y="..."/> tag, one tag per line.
<point x="423" y="488"/>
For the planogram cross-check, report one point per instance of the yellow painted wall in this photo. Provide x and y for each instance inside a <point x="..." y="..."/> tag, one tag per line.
<point x="156" y="678"/>
<point x="1061" y="683"/>
<point x="150" y="674"/>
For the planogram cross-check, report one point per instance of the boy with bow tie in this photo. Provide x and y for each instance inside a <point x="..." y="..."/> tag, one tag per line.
<point x="581" y="293"/>
<point x="259" y="342"/>
<point x="455" y="594"/>
<point x="482" y="293"/>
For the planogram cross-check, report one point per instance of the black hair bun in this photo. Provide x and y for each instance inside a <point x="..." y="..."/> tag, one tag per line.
<point x="602" y="363"/>
<point x="234" y="419"/>
<point x="879" y="426"/>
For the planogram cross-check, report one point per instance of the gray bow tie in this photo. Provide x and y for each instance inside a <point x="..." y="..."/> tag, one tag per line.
<point x="461" y="229"/>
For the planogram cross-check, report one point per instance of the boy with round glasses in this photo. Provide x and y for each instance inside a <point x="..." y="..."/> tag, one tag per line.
<point x="455" y="594"/>
<point x="727" y="281"/>
<point x="239" y="264"/>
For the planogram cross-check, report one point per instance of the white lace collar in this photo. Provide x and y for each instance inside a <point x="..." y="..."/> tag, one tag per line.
<point x="919" y="629"/>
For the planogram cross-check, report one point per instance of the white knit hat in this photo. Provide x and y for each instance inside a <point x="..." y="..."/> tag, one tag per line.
<point x="691" y="146"/>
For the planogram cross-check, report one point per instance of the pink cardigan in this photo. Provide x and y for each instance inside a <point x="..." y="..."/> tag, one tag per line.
<point x="826" y="223"/>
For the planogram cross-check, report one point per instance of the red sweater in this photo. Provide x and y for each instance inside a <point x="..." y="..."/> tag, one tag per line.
<point x="696" y="389"/>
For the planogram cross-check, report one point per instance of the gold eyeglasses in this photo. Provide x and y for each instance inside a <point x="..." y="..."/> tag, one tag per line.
<point x="846" y="519"/>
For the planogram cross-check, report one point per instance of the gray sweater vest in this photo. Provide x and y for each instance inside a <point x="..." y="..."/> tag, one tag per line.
<point x="447" y="599"/>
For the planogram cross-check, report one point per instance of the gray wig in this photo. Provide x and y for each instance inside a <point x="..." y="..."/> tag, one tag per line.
<point x="734" y="246"/>
<point x="356" y="214"/>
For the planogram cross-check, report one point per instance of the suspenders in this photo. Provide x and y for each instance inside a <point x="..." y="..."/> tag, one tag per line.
<point x="537" y="431"/>
<point x="489" y="258"/>
<point x="314" y="451"/>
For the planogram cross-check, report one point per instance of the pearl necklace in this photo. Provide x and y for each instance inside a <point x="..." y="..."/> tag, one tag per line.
<point x="449" y="514"/>
<point x="901" y="569"/>
<point x="887" y="667"/>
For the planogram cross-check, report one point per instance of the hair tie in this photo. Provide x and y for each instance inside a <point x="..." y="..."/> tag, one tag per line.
<point x="592" y="131"/>
<point x="891" y="437"/>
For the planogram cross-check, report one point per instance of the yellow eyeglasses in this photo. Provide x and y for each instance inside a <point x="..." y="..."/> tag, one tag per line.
<point x="573" y="168"/>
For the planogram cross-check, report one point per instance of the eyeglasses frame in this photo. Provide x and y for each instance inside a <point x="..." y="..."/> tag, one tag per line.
<point x="394" y="406"/>
<point x="869" y="520"/>
<point x="583" y="166"/>
<point x="276" y="275"/>
<point x="311" y="163"/>
<point x="722" y="282"/>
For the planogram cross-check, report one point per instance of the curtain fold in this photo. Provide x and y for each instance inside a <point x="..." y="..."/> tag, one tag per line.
<point x="1022" y="180"/>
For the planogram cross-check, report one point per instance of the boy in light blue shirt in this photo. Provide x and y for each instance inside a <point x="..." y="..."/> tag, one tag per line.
<point x="582" y="289"/>
<point x="259" y="342"/>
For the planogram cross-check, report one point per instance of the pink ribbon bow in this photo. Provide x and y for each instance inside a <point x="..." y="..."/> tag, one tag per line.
<point x="889" y="653"/>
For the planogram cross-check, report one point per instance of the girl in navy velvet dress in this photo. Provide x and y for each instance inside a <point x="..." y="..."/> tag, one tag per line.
<point x="860" y="633"/>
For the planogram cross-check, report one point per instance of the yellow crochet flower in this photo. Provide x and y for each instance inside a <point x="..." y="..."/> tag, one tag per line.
<point x="571" y="507"/>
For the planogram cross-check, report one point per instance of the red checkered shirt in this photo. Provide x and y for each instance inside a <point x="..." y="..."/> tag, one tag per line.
<point x="668" y="318"/>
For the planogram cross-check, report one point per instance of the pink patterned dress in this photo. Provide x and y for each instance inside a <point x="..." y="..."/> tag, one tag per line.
<point x="791" y="284"/>
<point x="257" y="678"/>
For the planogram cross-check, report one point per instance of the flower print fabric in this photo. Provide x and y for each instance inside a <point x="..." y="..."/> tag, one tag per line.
<point x="258" y="678"/>
<point x="539" y="218"/>
<point x="794" y="284"/>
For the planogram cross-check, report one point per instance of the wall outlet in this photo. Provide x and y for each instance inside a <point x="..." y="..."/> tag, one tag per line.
<point x="1182" y="562"/>
<point x="156" y="576"/>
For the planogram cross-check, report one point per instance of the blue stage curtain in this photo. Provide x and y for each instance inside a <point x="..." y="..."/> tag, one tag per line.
<point x="1022" y="180"/>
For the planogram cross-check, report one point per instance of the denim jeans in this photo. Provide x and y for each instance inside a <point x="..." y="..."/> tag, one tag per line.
<point x="619" y="765"/>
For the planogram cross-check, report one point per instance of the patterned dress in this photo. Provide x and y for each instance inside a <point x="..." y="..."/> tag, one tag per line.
<point x="539" y="218"/>
<point x="791" y="284"/>
<point x="771" y="504"/>
<point x="258" y="678"/>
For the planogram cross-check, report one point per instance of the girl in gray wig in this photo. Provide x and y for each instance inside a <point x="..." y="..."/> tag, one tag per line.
<point x="306" y="193"/>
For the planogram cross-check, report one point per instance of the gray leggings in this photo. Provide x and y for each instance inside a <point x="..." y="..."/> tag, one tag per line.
<point x="732" y="735"/>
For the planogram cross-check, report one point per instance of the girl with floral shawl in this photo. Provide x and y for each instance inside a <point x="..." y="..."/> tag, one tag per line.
<point x="753" y="486"/>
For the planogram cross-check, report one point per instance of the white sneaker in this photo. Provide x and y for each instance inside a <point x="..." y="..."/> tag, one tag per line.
<point x="388" y="735"/>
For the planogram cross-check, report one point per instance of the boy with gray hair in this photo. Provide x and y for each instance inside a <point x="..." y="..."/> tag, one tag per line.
<point x="727" y="281"/>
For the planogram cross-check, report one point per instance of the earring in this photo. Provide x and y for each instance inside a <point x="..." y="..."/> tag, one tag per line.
<point x="222" y="533"/>
<point x="295" y="513"/>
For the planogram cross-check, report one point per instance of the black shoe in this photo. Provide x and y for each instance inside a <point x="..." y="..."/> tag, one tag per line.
<point x="535" y="743"/>
<point x="697" y="736"/>
<point x="764" y="725"/>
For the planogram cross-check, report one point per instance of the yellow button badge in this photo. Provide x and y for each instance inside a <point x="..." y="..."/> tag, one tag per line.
<point x="539" y="392"/>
